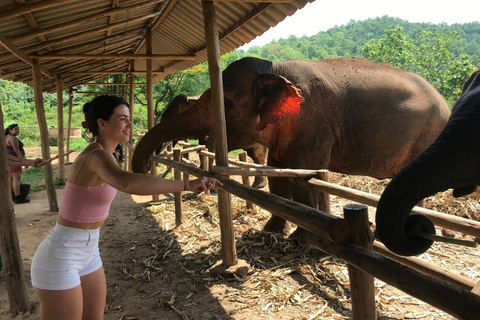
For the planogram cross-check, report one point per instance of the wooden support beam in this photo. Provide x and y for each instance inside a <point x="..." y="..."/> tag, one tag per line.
<point x="229" y="253"/>
<point x="77" y="22"/>
<point x="21" y="55"/>
<point x="108" y="72"/>
<point x="112" y="56"/>
<point x="31" y="7"/>
<point x="42" y="124"/>
<point x="69" y="125"/>
<point x="91" y="32"/>
<point x="14" y="273"/>
<point x="60" y="140"/>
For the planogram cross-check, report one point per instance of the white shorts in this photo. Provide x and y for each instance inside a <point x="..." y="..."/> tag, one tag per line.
<point x="64" y="256"/>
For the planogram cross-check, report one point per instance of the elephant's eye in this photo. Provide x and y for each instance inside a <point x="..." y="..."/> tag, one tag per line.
<point x="228" y="105"/>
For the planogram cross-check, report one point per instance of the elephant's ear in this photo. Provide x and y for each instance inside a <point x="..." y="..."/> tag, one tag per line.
<point x="275" y="96"/>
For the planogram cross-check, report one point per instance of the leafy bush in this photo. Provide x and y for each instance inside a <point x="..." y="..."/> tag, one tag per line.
<point x="78" y="144"/>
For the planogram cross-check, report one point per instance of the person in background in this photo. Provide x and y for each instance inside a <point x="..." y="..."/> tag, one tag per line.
<point x="67" y="271"/>
<point x="15" y="148"/>
<point x="118" y="154"/>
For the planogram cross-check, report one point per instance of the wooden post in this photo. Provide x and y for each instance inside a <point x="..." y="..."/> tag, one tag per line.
<point x="69" y="125"/>
<point x="61" y="149"/>
<point x="229" y="253"/>
<point x="361" y="283"/>
<point x="128" y="165"/>
<point x="246" y="180"/>
<point x="148" y="36"/>
<point x="205" y="165"/>
<point x="42" y="124"/>
<point x="323" y="197"/>
<point x="177" y="156"/>
<point x="9" y="246"/>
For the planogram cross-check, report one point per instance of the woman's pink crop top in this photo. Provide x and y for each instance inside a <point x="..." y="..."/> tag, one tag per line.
<point x="86" y="204"/>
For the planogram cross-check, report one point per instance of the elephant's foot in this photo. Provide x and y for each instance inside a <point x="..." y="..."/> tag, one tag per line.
<point x="259" y="182"/>
<point x="275" y="224"/>
<point x="299" y="234"/>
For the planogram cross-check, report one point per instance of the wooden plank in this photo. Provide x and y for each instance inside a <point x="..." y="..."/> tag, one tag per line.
<point x="31" y="7"/>
<point x="60" y="140"/>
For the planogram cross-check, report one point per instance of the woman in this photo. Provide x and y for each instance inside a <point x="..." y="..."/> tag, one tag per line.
<point x="15" y="148"/>
<point x="67" y="271"/>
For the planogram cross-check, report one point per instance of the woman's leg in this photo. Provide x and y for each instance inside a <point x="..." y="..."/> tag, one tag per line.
<point x="16" y="182"/>
<point x="94" y="288"/>
<point x="60" y="304"/>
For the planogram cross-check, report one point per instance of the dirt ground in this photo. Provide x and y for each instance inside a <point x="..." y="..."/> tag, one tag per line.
<point x="157" y="271"/>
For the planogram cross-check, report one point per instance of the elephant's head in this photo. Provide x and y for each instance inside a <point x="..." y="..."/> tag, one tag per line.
<point x="452" y="161"/>
<point x="253" y="99"/>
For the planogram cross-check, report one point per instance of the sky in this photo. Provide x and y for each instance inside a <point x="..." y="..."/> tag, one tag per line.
<point x="322" y="15"/>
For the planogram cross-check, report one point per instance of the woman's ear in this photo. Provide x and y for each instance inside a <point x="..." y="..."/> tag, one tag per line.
<point x="276" y="96"/>
<point x="100" y="124"/>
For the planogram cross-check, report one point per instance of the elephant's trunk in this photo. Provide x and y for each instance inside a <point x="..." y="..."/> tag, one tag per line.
<point x="192" y="123"/>
<point x="452" y="161"/>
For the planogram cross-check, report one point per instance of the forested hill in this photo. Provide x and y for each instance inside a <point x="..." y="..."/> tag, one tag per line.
<point x="348" y="40"/>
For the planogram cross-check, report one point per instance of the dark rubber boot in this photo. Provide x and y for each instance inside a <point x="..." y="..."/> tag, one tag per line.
<point x="20" y="199"/>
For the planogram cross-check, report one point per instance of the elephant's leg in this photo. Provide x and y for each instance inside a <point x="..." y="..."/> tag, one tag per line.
<point x="258" y="153"/>
<point x="280" y="187"/>
<point x="308" y="197"/>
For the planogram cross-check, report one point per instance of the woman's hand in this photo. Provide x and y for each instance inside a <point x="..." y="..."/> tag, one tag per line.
<point x="202" y="184"/>
<point x="38" y="162"/>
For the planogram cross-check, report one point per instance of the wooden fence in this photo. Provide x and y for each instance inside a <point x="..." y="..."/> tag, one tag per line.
<point x="349" y="238"/>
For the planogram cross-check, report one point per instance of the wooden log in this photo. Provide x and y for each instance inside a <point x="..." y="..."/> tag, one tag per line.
<point x="444" y="296"/>
<point x="60" y="140"/>
<point x="178" y="195"/>
<point x="245" y="179"/>
<point x="69" y="124"/>
<point x="426" y="268"/>
<point x="292" y="173"/>
<point x="42" y="124"/>
<point x="236" y="162"/>
<point x="362" y="286"/>
<point x="229" y="254"/>
<point x="112" y="57"/>
<point x="15" y="280"/>
<point x="326" y="225"/>
<point x="182" y="151"/>
<point x="438" y="218"/>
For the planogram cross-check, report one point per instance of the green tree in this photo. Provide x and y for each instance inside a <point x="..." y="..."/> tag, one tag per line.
<point x="432" y="54"/>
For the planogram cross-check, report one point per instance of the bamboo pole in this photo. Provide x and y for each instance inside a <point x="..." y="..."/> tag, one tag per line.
<point x="178" y="195"/>
<point x="229" y="253"/>
<point x="112" y="56"/>
<point x="60" y="139"/>
<point x="9" y="246"/>
<point x="290" y="173"/>
<point x="69" y="125"/>
<point x="42" y="124"/>
<point x="245" y="179"/>
<point x="149" y="78"/>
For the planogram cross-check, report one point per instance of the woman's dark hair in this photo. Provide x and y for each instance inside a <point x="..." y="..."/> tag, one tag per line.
<point x="102" y="107"/>
<point x="10" y="127"/>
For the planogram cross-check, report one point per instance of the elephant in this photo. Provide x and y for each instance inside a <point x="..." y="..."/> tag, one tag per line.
<point x="451" y="161"/>
<point x="348" y="115"/>
<point x="257" y="152"/>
